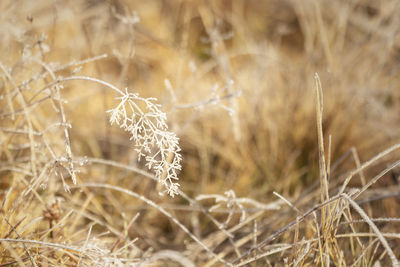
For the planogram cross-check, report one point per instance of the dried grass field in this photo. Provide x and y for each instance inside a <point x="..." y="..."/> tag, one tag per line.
<point x="199" y="133"/>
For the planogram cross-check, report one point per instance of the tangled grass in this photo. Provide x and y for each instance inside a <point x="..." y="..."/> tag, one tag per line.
<point x="261" y="181"/>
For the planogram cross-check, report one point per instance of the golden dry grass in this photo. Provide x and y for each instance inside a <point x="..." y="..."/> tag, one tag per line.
<point x="261" y="184"/>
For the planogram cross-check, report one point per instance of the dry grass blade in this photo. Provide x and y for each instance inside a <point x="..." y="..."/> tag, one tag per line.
<point x="160" y="209"/>
<point x="381" y="238"/>
<point x="26" y="249"/>
<point x="368" y="163"/>
<point x="217" y="103"/>
<point x="265" y="254"/>
<point x="322" y="163"/>
<point x="289" y="225"/>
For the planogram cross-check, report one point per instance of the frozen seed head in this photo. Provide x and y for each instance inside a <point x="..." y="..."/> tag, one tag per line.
<point x="146" y="123"/>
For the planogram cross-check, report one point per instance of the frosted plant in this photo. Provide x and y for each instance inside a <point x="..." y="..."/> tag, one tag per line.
<point x="146" y="123"/>
<point x="233" y="204"/>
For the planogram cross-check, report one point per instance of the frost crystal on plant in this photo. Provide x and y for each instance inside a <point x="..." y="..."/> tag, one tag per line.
<point x="146" y="123"/>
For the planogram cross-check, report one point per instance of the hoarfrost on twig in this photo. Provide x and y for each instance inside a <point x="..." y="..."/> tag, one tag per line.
<point x="146" y="123"/>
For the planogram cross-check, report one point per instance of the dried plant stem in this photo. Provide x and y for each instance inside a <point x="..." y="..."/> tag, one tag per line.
<point x="26" y="249"/>
<point x="149" y="131"/>
<point x="289" y="225"/>
<point x="86" y="78"/>
<point x="321" y="149"/>
<point x="265" y="254"/>
<point x="146" y="174"/>
<point x="27" y="117"/>
<point x="42" y="243"/>
<point x="367" y="164"/>
<point x="377" y="177"/>
<point x="160" y="209"/>
<point x="64" y="122"/>
<point x="381" y="238"/>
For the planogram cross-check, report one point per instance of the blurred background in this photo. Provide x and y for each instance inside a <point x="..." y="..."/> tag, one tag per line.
<point x="236" y="80"/>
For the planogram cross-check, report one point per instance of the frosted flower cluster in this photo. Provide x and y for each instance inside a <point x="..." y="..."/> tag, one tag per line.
<point x="146" y="123"/>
